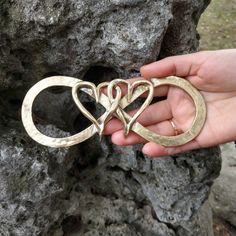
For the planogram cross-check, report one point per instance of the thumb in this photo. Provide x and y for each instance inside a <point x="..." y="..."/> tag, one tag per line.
<point x="183" y="66"/>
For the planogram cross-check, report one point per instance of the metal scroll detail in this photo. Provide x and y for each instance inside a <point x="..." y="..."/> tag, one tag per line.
<point x="114" y="107"/>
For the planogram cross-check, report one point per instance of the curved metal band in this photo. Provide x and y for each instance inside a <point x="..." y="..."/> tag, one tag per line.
<point x="34" y="133"/>
<point x="104" y="100"/>
<point x="192" y="132"/>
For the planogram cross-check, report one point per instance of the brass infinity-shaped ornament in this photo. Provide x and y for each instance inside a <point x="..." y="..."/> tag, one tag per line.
<point x="114" y="107"/>
<point x="96" y="93"/>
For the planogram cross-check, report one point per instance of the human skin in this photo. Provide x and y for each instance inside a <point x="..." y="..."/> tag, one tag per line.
<point x="213" y="73"/>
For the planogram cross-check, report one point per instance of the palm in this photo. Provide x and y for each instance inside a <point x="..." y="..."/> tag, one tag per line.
<point x="180" y="108"/>
<point x="218" y="127"/>
<point x="213" y="74"/>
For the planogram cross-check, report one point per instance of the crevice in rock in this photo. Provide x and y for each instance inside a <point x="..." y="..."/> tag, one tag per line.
<point x="100" y="73"/>
<point x="71" y="224"/>
<point x="55" y="89"/>
<point x="10" y="104"/>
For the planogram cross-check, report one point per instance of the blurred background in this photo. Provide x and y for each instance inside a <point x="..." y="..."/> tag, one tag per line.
<point x="217" y="29"/>
<point x="217" y="25"/>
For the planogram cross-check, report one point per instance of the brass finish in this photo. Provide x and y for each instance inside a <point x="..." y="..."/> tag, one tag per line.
<point x="96" y="93"/>
<point x="113" y="106"/>
<point x="131" y="87"/>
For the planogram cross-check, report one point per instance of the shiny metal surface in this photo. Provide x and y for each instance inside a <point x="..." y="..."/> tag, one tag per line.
<point x="113" y="106"/>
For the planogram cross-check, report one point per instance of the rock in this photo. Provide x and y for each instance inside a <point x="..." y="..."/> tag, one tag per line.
<point x="41" y="38"/>
<point x="90" y="34"/>
<point x="31" y="181"/>
<point x="222" y="198"/>
<point x="93" y="188"/>
<point x="198" y="226"/>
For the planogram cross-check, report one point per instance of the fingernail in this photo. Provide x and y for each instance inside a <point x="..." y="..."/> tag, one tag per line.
<point x="144" y="150"/>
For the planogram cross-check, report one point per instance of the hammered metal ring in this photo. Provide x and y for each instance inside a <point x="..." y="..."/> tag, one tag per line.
<point x="191" y="133"/>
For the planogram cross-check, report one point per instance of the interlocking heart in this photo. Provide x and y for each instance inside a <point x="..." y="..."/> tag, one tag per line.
<point x="114" y="104"/>
<point x="115" y="108"/>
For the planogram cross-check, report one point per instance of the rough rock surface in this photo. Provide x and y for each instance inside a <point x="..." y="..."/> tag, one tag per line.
<point x="108" y="190"/>
<point x="222" y="197"/>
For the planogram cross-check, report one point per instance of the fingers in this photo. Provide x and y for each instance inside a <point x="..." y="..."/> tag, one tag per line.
<point x="155" y="150"/>
<point x="155" y="113"/>
<point x="183" y="65"/>
<point x="112" y="126"/>
<point x="159" y="91"/>
<point x="162" y="128"/>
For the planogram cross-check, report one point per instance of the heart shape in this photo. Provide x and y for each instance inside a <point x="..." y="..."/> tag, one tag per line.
<point x="131" y="88"/>
<point x="95" y="92"/>
<point x="104" y="100"/>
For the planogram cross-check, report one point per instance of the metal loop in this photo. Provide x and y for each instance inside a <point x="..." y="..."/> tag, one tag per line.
<point x="115" y="106"/>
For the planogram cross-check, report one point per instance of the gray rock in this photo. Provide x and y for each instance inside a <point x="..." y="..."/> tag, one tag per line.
<point x="31" y="180"/>
<point x="198" y="226"/>
<point x="40" y="38"/>
<point x="222" y="197"/>
<point x="93" y="188"/>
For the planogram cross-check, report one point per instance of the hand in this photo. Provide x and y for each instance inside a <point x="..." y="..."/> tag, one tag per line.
<point x="214" y="74"/>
